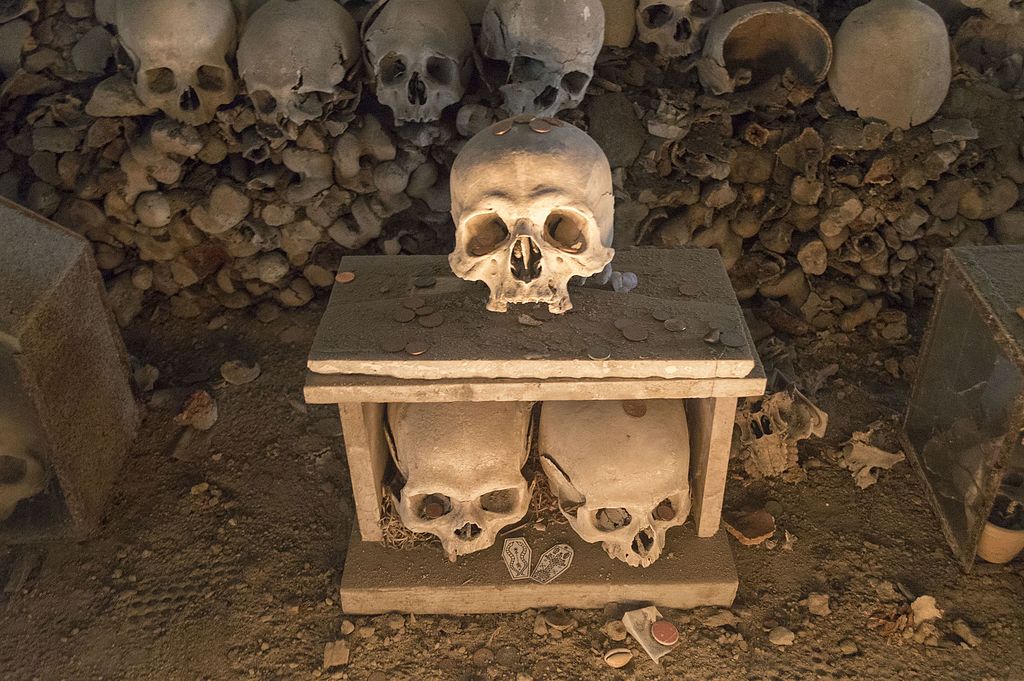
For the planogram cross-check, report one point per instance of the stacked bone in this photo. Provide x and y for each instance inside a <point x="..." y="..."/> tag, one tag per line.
<point x="217" y="187"/>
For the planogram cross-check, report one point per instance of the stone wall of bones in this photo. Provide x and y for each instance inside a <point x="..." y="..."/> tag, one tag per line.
<point x="226" y="155"/>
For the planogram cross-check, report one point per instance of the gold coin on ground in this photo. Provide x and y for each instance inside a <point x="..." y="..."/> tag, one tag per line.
<point x="431" y="321"/>
<point x="394" y="344"/>
<point x="417" y="347"/>
<point x="635" y="408"/>
<point x="345" y="277"/>
<point x="599" y="351"/>
<point x="414" y="303"/>
<point x="675" y="325"/>
<point x="733" y="339"/>
<point x="635" y="333"/>
<point x="404" y="315"/>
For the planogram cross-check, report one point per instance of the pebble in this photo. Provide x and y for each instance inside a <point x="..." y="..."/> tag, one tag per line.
<point x="347" y="627"/>
<point x="615" y="630"/>
<point x="817" y="605"/>
<point x="781" y="636"/>
<point x="236" y="372"/>
<point x="617" y="658"/>
<point x="483" y="657"/>
<point x="336" y="654"/>
<point x="848" y="647"/>
<point x="527" y="320"/>
<point x="199" y="412"/>
<point x="540" y="628"/>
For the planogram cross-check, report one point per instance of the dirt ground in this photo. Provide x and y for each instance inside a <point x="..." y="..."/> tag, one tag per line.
<point x="220" y="557"/>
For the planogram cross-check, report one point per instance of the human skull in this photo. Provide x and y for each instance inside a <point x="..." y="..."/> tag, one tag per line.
<point x="462" y="464"/>
<point x="533" y="206"/>
<point x="676" y="27"/>
<point x="540" y="54"/>
<point x="421" y="54"/>
<point x="179" y="51"/>
<point x="295" y="56"/>
<point x="770" y="428"/>
<point x="620" y="471"/>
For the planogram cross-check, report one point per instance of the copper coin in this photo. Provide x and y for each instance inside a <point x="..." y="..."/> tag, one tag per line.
<point x="431" y="321"/>
<point x="417" y="347"/>
<point x="599" y="351"/>
<point x="345" y="277"/>
<point x="522" y="118"/>
<point x="675" y="325"/>
<point x="433" y="507"/>
<point x="689" y="289"/>
<point x="502" y="127"/>
<point x="664" y="511"/>
<point x="404" y="315"/>
<point x="635" y="333"/>
<point x="635" y="408"/>
<point x="414" y="303"/>
<point x="555" y="123"/>
<point x="424" y="282"/>
<point x="661" y="315"/>
<point x="394" y="344"/>
<point x="622" y="323"/>
<point x="425" y="310"/>
<point x="540" y="125"/>
<point x="733" y="339"/>
<point x="665" y="633"/>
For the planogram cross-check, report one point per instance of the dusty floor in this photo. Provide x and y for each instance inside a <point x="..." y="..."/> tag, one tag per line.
<point x="221" y="558"/>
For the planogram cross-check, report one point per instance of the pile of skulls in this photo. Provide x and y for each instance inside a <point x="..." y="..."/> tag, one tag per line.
<point x="226" y="154"/>
<point x="620" y="471"/>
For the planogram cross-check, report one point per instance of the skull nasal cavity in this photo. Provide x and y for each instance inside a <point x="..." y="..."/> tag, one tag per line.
<point x="468" y="532"/>
<point x="417" y="90"/>
<point x="657" y="16"/>
<point x="683" y="30"/>
<point x="189" y="100"/>
<point x="525" y="260"/>
<point x="643" y="542"/>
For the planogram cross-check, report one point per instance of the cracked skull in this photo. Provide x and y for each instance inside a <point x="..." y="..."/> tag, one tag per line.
<point x="540" y="54"/>
<point x="533" y="206"/>
<point x="462" y="465"/>
<point x="421" y="53"/>
<point x="622" y="479"/>
<point x="770" y="428"/>
<point x="295" y="57"/>
<point x="179" y="51"/>
<point x="676" y="27"/>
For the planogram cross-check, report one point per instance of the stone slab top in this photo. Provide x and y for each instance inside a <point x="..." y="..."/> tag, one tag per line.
<point x="409" y="317"/>
<point x="35" y="255"/>
<point x="997" y="276"/>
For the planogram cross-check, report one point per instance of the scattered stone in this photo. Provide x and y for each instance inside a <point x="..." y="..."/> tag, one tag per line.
<point x="615" y="630"/>
<point x="527" y="320"/>
<point x="237" y="372"/>
<point x="724" y="618"/>
<point x="924" y="609"/>
<point x="336" y="654"/>
<point x="781" y="636"/>
<point x="750" y="527"/>
<point x="540" y="627"/>
<point x="199" y="411"/>
<point x="865" y="461"/>
<point x="483" y="657"/>
<point x="848" y="647"/>
<point x="963" y="630"/>
<point x="347" y="627"/>
<point x="817" y="604"/>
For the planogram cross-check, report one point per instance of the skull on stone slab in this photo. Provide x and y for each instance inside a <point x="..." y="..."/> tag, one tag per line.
<point x="421" y="55"/>
<point x="296" y="57"/>
<point x="179" y="51"/>
<point x="462" y="464"/>
<point x="540" y="54"/>
<point x="676" y="27"/>
<point x="620" y="471"/>
<point x="533" y="206"/>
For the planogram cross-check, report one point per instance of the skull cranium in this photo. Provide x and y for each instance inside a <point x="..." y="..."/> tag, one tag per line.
<point x="622" y="479"/>
<point x="462" y="465"/>
<point x="676" y="27"/>
<point x="179" y="51"/>
<point x="295" y="56"/>
<point x="533" y="206"/>
<point x="421" y="53"/>
<point x="540" y="54"/>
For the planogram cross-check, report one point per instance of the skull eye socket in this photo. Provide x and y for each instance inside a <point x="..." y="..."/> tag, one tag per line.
<point x="566" y="231"/>
<point x="575" y="81"/>
<point x="12" y="469"/>
<point x="611" y="519"/>
<point x="441" y="70"/>
<point x="264" y="101"/>
<point x="657" y="16"/>
<point x="485" y="234"/>
<point x="391" y="67"/>
<point x="211" y="78"/>
<point x="434" y="506"/>
<point x="527" y="69"/>
<point x="500" y="500"/>
<point x="161" y="80"/>
<point x="495" y="70"/>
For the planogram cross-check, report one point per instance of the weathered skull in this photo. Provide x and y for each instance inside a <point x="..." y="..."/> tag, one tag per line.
<point x="532" y="203"/>
<point x="540" y="54"/>
<point x="21" y="477"/>
<point x="421" y="53"/>
<point x="179" y="50"/>
<point x="677" y="27"/>
<point x="295" y="56"/>
<point x="770" y="429"/>
<point x="620" y="471"/>
<point x="462" y="465"/>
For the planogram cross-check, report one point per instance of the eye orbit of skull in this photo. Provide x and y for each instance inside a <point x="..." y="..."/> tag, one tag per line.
<point x="676" y="27"/>
<point x="421" y="56"/>
<point x="179" y="51"/>
<point x="295" y="56"/>
<point x="531" y="211"/>
<point x="621" y="480"/>
<point x="462" y="463"/>
<point x="540" y="54"/>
